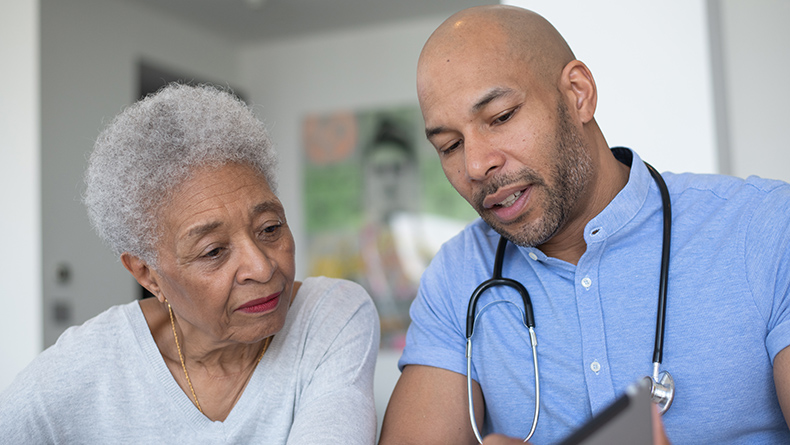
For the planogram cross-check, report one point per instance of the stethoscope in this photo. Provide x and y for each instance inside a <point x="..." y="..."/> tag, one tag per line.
<point x="662" y="384"/>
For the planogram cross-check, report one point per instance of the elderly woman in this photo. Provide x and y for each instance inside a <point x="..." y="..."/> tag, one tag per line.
<point x="231" y="350"/>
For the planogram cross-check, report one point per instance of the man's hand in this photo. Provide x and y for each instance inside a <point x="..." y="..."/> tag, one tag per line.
<point x="659" y="434"/>
<point x="498" y="439"/>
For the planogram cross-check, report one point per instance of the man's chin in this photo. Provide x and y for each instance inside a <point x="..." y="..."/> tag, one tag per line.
<point x="521" y="232"/>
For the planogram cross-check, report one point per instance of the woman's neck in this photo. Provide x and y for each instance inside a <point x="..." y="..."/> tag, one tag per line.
<point x="218" y="372"/>
<point x="219" y="358"/>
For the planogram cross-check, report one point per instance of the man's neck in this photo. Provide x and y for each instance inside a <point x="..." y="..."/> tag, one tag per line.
<point x="611" y="176"/>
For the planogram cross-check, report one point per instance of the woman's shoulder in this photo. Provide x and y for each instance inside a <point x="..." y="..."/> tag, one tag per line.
<point x="330" y="313"/>
<point x="331" y="303"/>
<point x="82" y="343"/>
<point x="334" y="291"/>
<point x="79" y="355"/>
<point x="105" y="330"/>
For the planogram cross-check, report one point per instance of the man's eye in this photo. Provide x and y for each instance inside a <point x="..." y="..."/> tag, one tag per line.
<point x="272" y="228"/>
<point x="501" y="119"/>
<point x="451" y="147"/>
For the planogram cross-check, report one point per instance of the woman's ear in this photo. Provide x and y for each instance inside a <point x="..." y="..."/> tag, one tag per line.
<point x="579" y="86"/>
<point x="143" y="273"/>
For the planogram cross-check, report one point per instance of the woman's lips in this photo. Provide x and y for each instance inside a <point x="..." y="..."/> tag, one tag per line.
<point x="259" y="305"/>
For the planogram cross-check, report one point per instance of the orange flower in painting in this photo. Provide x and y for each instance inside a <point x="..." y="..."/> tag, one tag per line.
<point x="330" y="138"/>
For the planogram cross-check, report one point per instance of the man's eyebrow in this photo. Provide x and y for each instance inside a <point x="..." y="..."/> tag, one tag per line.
<point x="490" y="96"/>
<point x="431" y="132"/>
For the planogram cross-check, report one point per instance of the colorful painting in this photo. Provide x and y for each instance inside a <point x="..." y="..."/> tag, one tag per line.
<point x="377" y="206"/>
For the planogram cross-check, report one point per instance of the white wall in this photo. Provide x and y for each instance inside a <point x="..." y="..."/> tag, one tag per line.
<point x="90" y="50"/>
<point x="20" y="201"/>
<point x="756" y="63"/>
<point x="651" y="63"/>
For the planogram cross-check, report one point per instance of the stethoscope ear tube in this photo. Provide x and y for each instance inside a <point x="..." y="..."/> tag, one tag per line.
<point x="529" y="317"/>
<point x="497" y="280"/>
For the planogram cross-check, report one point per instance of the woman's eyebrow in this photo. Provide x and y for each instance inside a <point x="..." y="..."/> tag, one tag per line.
<point x="198" y="231"/>
<point x="267" y="206"/>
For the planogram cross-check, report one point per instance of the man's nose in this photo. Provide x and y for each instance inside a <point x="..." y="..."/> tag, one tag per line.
<point x="482" y="157"/>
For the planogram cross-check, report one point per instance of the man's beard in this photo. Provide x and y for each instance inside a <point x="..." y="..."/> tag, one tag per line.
<point x="569" y="177"/>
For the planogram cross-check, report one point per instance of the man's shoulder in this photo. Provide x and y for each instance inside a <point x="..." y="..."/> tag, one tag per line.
<point x="463" y="256"/>
<point x="729" y="204"/>
<point x="724" y="186"/>
<point x="476" y="233"/>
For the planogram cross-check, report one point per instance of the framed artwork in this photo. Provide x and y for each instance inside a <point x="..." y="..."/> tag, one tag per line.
<point x="378" y="206"/>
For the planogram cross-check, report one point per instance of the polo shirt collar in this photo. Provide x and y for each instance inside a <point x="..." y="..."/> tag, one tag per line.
<point x="624" y="207"/>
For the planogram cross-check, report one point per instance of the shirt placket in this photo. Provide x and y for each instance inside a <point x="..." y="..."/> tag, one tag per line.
<point x="597" y="369"/>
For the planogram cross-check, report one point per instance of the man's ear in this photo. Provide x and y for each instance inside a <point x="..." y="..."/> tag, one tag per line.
<point x="579" y="87"/>
<point x="143" y="273"/>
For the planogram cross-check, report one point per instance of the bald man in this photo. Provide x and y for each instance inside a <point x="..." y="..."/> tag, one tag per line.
<point x="510" y="112"/>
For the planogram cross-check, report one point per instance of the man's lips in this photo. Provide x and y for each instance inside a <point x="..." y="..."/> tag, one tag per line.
<point x="508" y="204"/>
<point x="505" y="197"/>
<point x="260" y="304"/>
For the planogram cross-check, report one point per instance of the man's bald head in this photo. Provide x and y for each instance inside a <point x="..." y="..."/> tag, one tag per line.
<point x="500" y="32"/>
<point x="510" y="112"/>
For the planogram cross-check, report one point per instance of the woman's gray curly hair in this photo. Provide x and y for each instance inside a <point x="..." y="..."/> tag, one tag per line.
<point x="155" y="145"/>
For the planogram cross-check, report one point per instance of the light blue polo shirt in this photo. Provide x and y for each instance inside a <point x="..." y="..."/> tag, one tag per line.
<point x="728" y="312"/>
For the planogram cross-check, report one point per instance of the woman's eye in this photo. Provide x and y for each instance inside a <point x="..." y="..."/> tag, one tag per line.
<point x="213" y="253"/>
<point x="270" y="230"/>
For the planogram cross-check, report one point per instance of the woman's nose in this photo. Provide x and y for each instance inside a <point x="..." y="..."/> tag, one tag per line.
<point x="254" y="264"/>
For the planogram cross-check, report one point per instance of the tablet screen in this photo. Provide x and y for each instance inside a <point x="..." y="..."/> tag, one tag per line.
<point x="626" y="421"/>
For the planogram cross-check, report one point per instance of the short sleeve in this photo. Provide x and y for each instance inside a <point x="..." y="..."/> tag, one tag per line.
<point x="768" y="265"/>
<point x="436" y="336"/>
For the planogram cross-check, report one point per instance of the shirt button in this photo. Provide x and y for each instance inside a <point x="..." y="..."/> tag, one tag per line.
<point x="533" y="256"/>
<point x="586" y="282"/>
<point x="595" y="366"/>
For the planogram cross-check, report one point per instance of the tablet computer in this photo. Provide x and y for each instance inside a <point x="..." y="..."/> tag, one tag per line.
<point x="628" y="420"/>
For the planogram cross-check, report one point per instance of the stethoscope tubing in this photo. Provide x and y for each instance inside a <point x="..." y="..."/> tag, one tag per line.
<point x="663" y="280"/>
<point x="529" y="321"/>
<point x="663" y="385"/>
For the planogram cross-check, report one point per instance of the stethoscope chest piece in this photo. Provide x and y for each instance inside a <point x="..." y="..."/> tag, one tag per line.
<point x="662" y="390"/>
